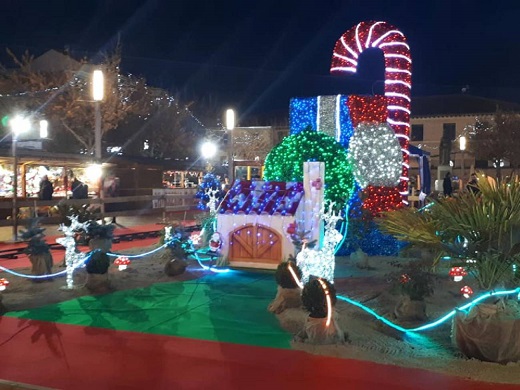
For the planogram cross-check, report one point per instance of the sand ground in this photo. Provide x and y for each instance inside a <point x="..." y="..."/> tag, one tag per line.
<point x="369" y="338"/>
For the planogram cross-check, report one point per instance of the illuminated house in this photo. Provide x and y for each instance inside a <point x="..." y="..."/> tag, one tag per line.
<point x="256" y="218"/>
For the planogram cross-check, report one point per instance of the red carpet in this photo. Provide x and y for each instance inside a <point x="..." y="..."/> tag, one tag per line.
<point x="72" y="357"/>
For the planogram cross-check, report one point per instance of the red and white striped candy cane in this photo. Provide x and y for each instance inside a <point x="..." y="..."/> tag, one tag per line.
<point x="398" y="76"/>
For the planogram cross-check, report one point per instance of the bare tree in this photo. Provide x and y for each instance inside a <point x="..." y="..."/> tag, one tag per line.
<point x="496" y="140"/>
<point x="64" y="97"/>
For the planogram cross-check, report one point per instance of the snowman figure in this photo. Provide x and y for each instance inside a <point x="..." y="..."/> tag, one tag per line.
<point x="215" y="242"/>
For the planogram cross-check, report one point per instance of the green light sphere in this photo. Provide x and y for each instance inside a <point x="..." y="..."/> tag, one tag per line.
<point x="285" y="163"/>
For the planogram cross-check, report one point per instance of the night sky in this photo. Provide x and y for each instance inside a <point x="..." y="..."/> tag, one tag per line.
<point x="255" y="55"/>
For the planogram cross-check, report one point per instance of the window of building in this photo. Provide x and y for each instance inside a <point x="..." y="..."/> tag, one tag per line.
<point x="448" y="131"/>
<point x="417" y="132"/>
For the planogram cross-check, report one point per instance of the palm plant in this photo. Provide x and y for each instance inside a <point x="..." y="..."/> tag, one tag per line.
<point x="480" y="227"/>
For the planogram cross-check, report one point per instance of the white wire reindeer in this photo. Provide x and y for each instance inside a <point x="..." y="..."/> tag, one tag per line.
<point x="322" y="262"/>
<point x="213" y="199"/>
<point x="73" y="259"/>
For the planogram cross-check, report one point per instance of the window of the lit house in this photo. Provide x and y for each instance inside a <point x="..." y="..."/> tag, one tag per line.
<point x="417" y="132"/>
<point x="448" y="131"/>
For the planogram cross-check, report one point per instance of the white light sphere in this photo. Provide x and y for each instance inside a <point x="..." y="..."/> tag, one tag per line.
<point x="375" y="155"/>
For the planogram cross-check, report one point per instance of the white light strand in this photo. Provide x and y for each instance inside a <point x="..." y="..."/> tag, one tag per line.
<point x="353" y="52"/>
<point x="367" y="43"/>
<point x="385" y="35"/>
<point x="352" y="61"/>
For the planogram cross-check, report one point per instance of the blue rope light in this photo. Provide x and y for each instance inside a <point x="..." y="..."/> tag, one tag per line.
<point x="435" y="323"/>
<point x="209" y="268"/>
<point x="195" y="255"/>
<point x="9" y="271"/>
<point x="32" y="276"/>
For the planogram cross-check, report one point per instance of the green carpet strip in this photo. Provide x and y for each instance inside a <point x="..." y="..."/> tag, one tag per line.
<point x="226" y="307"/>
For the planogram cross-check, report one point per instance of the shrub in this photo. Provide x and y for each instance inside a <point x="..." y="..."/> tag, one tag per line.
<point x="180" y="245"/>
<point x="415" y="281"/>
<point x="65" y="211"/>
<point x="97" y="230"/>
<point x="98" y="263"/>
<point x="480" y="227"/>
<point x="36" y="244"/>
<point x="284" y="277"/>
<point x="313" y="298"/>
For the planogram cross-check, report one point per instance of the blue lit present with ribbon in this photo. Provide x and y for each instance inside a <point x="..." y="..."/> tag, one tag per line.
<point x="327" y="114"/>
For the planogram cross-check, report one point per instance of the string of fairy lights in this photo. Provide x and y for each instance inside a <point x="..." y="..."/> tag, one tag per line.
<point x="77" y="82"/>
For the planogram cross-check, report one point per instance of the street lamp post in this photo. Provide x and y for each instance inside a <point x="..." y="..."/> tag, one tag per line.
<point x="97" y="96"/>
<point x="230" y="125"/>
<point x="462" y="147"/>
<point x="18" y="126"/>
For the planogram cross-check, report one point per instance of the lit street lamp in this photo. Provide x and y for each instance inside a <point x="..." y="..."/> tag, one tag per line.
<point x="98" y="92"/>
<point x="462" y="147"/>
<point x="230" y="125"/>
<point x="18" y="125"/>
<point x="97" y="96"/>
<point x="208" y="150"/>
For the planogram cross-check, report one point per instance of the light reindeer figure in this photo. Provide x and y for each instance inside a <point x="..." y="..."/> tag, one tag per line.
<point x="212" y="201"/>
<point x="322" y="262"/>
<point x="72" y="258"/>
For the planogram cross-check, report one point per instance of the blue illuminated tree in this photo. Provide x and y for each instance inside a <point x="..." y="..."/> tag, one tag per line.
<point x="210" y="181"/>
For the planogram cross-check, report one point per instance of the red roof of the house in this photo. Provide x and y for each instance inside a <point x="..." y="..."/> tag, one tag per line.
<point x="262" y="197"/>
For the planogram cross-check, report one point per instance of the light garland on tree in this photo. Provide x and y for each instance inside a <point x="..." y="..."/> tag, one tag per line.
<point x="285" y="163"/>
<point x="375" y="155"/>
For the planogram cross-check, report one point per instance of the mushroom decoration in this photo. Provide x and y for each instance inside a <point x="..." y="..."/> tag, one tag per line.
<point x="457" y="273"/>
<point x="466" y="292"/>
<point x="3" y="284"/>
<point x="122" y="263"/>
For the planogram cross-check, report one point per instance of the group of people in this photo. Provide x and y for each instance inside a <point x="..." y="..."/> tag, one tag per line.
<point x="78" y="188"/>
<point x="472" y="185"/>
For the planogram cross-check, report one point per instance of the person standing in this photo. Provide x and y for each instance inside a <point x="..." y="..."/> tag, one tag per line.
<point x="472" y="185"/>
<point x="446" y="185"/>
<point x="79" y="189"/>
<point x="46" y="189"/>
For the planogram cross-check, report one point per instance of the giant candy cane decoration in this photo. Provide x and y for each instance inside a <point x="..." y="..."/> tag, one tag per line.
<point x="398" y="75"/>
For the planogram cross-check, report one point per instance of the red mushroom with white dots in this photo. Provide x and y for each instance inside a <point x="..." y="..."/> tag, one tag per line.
<point x="3" y="284"/>
<point x="122" y="263"/>
<point x="457" y="273"/>
<point x="466" y="292"/>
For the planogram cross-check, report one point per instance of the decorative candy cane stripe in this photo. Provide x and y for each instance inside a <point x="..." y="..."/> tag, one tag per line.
<point x="394" y="44"/>
<point x="352" y="61"/>
<point x="392" y="107"/>
<point x="407" y="85"/>
<point x="399" y="95"/>
<point x="394" y="70"/>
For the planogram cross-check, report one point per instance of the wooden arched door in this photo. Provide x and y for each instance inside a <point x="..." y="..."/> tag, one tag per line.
<point x="255" y="244"/>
